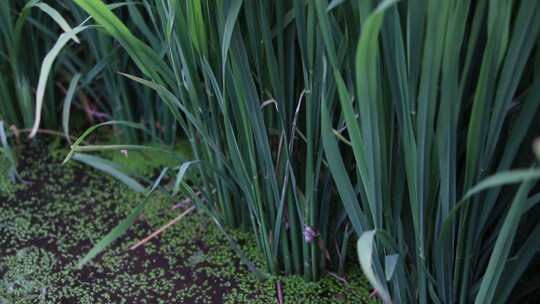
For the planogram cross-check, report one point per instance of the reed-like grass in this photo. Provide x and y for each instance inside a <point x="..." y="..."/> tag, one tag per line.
<point x="245" y="84"/>
<point x="105" y="96"/>
<point x="438" y="96"/>
<point x="27" y="31"/>
<point x="413" y="112"/>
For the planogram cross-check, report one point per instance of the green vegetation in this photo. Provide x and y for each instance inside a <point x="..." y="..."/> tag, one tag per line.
<point x="405" y="146"/>
<point x="146" y="162"/>
<point x="28" y="30"/>
<point x="8" y="162"/>
<point x="5" y="183"/>
<point x="25" y="38"/>
<point x="295" y="128"/>
<point x="261" y="164"/>
<point x="425" y="136"/>
<point x="46" y="226"/>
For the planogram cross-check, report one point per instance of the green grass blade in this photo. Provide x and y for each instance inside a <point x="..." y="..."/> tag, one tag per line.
<point x="517" y="265"/>
<point x="146" y="59"/>
<point x="110" y="168"/>
<point x="501" y="179"/>
<point x="67" y="104"/>
<point x="503" y="245"/>
<point x="90" y="130"/>
<point x="230" y="22"/>
<point x="121" y="228"/>
<point x="46" y="67"/>
<point x="57" y="17"/>
<point x="180" y="176"/>
<point x="365" y="248"/>
<point x="337" y="167"/>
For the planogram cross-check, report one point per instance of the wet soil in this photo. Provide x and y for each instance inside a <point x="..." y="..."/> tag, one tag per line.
<point x="49" y="223"/>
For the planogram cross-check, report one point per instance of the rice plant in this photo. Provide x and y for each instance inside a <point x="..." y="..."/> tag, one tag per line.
<point x="245" y="84"/>
<point x="436" y="96"/>
<point x="413" y="114"/>
<point x="27" y="31"/>
<point x="105" y="96"/>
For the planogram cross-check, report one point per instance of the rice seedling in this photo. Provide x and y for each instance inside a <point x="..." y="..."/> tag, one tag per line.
<point x="438" y="96"/>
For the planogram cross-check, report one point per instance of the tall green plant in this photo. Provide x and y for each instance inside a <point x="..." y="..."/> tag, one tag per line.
<point x="107" y="96"/>
<point x="25" y="37"/>
<point x="441" y="94"/>
<point x="28" y="31"/>
<point x="245" y="81"/>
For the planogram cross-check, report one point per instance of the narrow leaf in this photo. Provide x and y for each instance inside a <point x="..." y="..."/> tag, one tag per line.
<point x="109" y="168"/>
<point x="364" y="247"/>
<point x="67" y="104"/>
<point x="121" y="228"/>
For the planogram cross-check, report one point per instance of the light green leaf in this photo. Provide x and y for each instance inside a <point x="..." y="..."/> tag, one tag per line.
<point x="390" y="262"/>
<point x="46" y="69"/>
<point x="110" y="168"/>
<point x="121" y="228"/>
<point x="502" y="179"/>
<point x="180" y="176"/>
<point x="67" y="104"/>
<point x="365" y="249"/>
<point x="230" y="22"/>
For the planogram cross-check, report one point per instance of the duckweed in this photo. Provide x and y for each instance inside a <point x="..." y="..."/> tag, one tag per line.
<point x="50" y="223"/>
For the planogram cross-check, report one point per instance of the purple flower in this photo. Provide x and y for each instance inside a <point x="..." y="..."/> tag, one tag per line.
<point x="309" y="234"/>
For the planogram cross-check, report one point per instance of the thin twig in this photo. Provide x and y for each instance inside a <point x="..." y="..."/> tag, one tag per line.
<point x="160" y="230"/>
<point x="279" y="288"/>
<point x="183" y="203"/>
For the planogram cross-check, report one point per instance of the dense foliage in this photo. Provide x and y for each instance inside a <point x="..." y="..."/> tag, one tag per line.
<point x="396" y="123"/>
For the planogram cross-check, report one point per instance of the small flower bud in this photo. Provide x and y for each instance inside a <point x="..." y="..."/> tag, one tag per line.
<point x="309" y="234"/>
